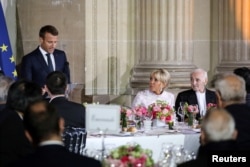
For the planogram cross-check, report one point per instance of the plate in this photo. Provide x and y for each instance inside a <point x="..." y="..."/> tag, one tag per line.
<point x="125" y="133"/>
<point x="171" y="131"/>
<point x="197" y="130"/>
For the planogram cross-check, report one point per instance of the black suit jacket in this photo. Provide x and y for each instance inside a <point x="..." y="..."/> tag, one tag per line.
<point x="34" y="67"/>
<point x="204" y="154"/>
<point x="73" y="113"/>
<point x="55" y="155"/>
<point x="241" y="115"/>
<point x="189" y="96"/>
<point x="13" y="142"/>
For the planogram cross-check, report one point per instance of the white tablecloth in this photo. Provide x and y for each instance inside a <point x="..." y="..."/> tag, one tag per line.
<point x="152" y="141"/>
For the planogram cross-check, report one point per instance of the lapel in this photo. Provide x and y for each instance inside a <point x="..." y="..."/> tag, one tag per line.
<point x="57" y="59"/>
<point x="41" y="61"/>
<point x="192" y="98"/>
<point x="209" y="97"/>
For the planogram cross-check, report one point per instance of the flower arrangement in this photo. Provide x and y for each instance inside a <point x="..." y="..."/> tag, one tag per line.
<point x="125" y="113"/>
<point x="190" y="112"/>
<point x="190" y="109"/>
<point x="210" y="106"/>
<point x="162" y="110"/>
<point x="130" y="155"/>
<point x="140" y="110"/>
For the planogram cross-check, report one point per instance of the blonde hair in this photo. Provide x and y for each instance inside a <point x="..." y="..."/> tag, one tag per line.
<point x="162" y="75"/>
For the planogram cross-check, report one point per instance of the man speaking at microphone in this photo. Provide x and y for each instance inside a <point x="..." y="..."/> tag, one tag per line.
<point x="45" y="58"/>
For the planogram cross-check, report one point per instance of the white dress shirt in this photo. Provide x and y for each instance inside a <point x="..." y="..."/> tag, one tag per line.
<point x="201" y="97"/>
<point x="45" y="57"/>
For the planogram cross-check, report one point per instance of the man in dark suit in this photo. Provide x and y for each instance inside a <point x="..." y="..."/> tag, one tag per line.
<point x="198" y="94"/>
<point x="231" y="94"/>
<point x="73" y="113"/>
<point x="13" y="142"/>
<point x="44" y="127"/>
<point x="44" y="59"/>
<point x="218" y="135"/>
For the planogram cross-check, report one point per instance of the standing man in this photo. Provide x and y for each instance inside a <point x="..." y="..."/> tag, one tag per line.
<point x="198" y="94"/>
<point x="45" y="58"/>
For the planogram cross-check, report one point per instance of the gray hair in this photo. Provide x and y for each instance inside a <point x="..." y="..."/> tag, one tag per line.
<point x="218" y="125"/>
<point x="231" y="88"/>
<point x="162" y="75"/>
<point x="200" y="71"/>
<point x="5" y="83"/>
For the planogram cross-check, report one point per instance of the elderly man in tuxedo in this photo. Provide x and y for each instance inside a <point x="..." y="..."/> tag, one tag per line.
<point x="45" y="58"/>
<point x="199" y="94"/>
<point x="44" y="128"/>
<point x="231" y="95"/>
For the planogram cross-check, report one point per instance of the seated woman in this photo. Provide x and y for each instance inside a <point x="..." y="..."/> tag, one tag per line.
<point x="159" y="80"/>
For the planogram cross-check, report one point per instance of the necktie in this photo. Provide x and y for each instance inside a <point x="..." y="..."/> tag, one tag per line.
<point x="49" y="62"/>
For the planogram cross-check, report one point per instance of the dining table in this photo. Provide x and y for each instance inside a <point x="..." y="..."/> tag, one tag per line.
<point x="153" y="139"/>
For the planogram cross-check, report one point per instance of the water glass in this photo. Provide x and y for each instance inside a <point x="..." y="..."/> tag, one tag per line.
<point x="147" y="125"/>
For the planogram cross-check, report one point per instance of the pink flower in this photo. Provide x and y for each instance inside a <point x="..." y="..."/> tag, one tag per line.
<point x="169" y="118"/>
<point x="190" y="108"/>
<point x="165" y="111"/>
<point x="156" y="108"/>
<point x="162" y="118"/>
<point x="128" y="112"/>
<point x="125" y="159"/>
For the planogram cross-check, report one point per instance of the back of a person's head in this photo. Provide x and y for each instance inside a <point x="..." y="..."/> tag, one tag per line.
<point x="56" y="82"/>
<point x="218" y="125"/>
<point x="231" y="88"/>
<point x="21" y="93"/>
<point x="244" y="72"/>
<point x="5" y="83"/>
<point x="41" y="120"/>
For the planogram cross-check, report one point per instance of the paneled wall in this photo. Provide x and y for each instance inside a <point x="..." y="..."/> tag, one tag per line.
<point x="112" y="45"/>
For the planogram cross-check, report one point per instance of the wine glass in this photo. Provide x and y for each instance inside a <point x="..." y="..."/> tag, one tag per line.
<point x="136" y="119"/>
<point x="148" y="116"/>
<point x="182" y="104"/>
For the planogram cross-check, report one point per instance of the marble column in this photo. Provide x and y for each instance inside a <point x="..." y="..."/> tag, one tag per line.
<point x="234" y="34"/>
<point x="108" y="61"/>
<point x="164" y="31"/>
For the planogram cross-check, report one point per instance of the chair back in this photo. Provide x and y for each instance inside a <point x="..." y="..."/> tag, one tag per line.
<point x="75" y="139"/>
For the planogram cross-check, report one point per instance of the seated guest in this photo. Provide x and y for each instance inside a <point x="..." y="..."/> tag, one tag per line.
<point x="244" y="72"/>
<point x="44" y="127"/>
<point x="13" y="142"/>
<point x="73" y="113"/>
<point x="5" y="83"/>
<point x="159" y="81"/>
<point x="199" y="94"/>
<point x="231" y="95"/>
<point x="218" y="133"/>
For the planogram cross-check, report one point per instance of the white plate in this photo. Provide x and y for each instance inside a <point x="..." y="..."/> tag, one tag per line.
<point x="197" y="130"/>
<point x="126" y="133"/>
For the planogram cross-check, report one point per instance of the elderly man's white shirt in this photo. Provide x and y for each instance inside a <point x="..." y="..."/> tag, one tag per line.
<point x="146" y="97"/>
